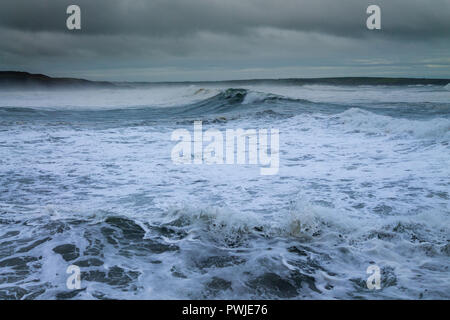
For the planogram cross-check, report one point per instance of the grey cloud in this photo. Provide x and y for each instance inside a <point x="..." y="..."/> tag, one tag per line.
<point x="177" y="39"/>
<point x="408" y="18"/>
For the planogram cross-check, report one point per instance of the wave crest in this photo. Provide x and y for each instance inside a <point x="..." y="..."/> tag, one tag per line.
<point x="368" y="122"/>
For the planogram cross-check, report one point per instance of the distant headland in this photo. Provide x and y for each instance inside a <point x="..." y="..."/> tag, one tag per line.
<point x="29" y="80"/>
<point x="11" y="79"/>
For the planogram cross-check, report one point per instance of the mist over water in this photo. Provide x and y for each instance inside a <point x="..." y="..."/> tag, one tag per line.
<point x="86" y="179"/>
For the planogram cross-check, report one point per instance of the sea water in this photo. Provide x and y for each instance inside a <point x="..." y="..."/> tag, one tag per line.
<point x="86" y="179"/>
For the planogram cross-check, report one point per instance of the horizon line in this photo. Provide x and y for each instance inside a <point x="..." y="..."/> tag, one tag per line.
<point x="219" y="81"/>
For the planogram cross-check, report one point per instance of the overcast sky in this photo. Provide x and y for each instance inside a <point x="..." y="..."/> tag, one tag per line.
<point x="171" y="40"/>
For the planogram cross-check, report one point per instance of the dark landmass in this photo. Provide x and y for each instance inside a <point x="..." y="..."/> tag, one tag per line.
<point x="338" y="81"/>
<point x="369" y="81"/>
<point x="12" y="79"/>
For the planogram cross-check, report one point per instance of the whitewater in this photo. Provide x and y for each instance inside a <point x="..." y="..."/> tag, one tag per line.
<point x="86" y="179"/>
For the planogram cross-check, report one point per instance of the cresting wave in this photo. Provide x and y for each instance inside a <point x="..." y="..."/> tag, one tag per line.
<point x="234" y="103"/>
<point x="371" y="123"/>
<point x="190" y="98"/>
<point x="216" y="101"/>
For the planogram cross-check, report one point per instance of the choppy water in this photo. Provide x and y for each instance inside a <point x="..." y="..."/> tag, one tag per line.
<point x="86" y="179"/>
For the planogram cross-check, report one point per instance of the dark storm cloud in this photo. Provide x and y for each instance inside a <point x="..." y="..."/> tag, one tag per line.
<point x="216" y="39"/>
<point x="410" y="18"/>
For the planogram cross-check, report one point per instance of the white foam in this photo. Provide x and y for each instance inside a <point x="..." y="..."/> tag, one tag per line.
<point x="366" y="121"/>
<point x="351" y="95"/>
<point x="256" y="97"/>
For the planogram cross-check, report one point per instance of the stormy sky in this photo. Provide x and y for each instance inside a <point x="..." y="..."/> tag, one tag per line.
<point x="179" y="40"/>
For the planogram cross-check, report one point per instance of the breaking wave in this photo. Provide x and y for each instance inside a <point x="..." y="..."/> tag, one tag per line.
<point x="369" y="122"/>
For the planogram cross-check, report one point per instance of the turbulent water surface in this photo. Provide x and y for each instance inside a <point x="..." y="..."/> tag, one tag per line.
<point x="86" y="179"/>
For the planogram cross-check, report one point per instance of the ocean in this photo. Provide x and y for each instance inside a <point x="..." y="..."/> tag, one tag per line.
<point x="87" y="180"/>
